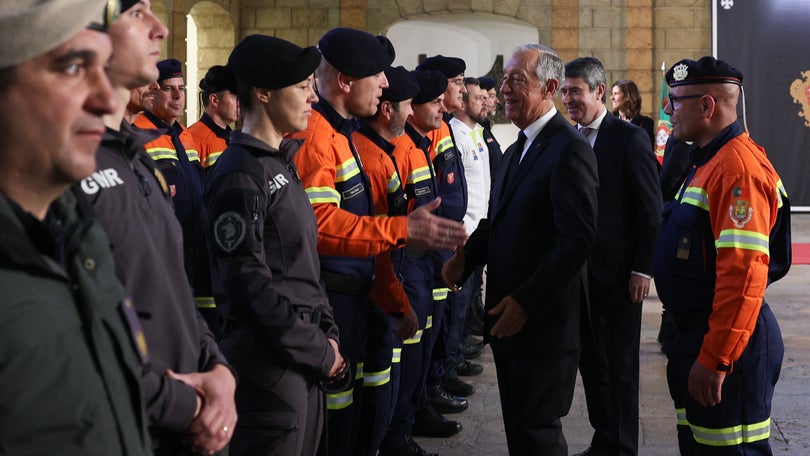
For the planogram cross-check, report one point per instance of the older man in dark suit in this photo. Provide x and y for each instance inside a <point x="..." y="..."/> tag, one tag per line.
<point x="620" y="269"/>
<point x="539" y="232"/>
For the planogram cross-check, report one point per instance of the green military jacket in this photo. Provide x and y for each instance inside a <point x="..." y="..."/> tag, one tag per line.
<point x="69" y="358"/>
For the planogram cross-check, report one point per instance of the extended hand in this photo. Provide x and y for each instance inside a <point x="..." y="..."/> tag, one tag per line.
<point x="705" y="385"/>
<point x="213" y="427"/>
<point x="512" y="318"/>
<point x="427" y="231"/>
<point x="453" y="269"/>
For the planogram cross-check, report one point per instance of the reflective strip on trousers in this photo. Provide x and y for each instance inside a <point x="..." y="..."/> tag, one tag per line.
<point x="728" y="436"/>
<point x="415" y="339"/>
<point x="377" y="378"/>
<point x="339" y="401"/>
<point x="205" y="302"/>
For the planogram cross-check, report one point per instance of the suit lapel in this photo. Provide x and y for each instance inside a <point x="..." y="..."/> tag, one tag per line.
<point x="604" y="135"/>
<point x="507" y="189"/>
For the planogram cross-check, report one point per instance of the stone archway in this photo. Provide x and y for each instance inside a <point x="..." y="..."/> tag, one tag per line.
<point x="210" y="37"/>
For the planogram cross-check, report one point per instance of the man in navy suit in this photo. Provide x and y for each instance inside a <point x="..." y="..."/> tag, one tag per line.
<point x="620" y="269"/>
<point x="538" y="234"/>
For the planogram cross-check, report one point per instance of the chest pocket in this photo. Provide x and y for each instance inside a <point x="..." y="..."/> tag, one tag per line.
<point x="690" y="250"/>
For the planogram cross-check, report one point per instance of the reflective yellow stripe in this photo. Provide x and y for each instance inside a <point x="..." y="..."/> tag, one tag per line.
<point x="440" y="294"/>
<point x="444" y="144"/>
<point x="729" y="436"/>
<point x="696" y="196"/>
<point x="205" y="302"/>
<point x="393" y="183"/>
<point x="340" y="400"/>
<point x="429" y="322"/>
<point x="323" y="195"/>
<point x="162" y="153"/>
<point x="212" y="158"/>
<point x="781" y="192"/>
<point x="419" y="175"/>
<point x="192" y="155"/>
<point x="396" y="355"/>
<point x="681" y="416"/>
<point x="359" y="374"/>
<point x="377" y="378"/>
<point x="415" y="339"/>
<point x="346" y="170"/>
<point x="743" y="239"/>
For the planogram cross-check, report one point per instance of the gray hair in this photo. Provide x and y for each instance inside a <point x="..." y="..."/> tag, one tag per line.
<point x="549" y="64"/>
<point x="590" y="70"/>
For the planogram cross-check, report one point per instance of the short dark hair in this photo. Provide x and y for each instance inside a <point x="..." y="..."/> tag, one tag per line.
<point x="590" y="69"/>
<point x="468" y="81"/>
<point x="244" y="93"/>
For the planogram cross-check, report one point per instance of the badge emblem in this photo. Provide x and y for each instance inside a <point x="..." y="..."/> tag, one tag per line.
<point x="680" y="72"/>
<point x="229" y="231"/>
<point x="451" y="177"/>
<point x="741" y="211"/>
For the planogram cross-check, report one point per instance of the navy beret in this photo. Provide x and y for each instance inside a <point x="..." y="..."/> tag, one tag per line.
<point x="217" y="79"/>
<point x="431" y="85"/>
<point x="127" y="4"/>
<point x="401" y="85"/>
<point x="707" y="70"/>
<point x="486" y="82"/>
<point x="356" y="53"/>
<point x="169" y="68"/>
<point x="272" y="63"/>
<point x="449" y="66"/>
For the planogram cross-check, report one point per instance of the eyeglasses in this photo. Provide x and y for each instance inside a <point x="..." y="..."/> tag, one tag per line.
<point x="674" y="98"/>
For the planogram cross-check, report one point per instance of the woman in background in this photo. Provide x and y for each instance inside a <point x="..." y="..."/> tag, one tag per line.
<point x="626" y="101"/>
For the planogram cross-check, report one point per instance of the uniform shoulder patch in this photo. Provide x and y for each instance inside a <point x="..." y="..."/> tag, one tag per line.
<point x="229" y="231"/>
<point x="741" y="211"/>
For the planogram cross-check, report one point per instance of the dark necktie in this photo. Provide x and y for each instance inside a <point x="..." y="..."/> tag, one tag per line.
<point x="514" y="161"/>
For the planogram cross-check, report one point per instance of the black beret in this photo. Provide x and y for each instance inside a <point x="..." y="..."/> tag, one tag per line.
<point x="707" y="70"/>
<point x="217" y="79"/>
<point x="356" y="53"/>
<point x="401" y="85"/>
<point x="486" y="82"/>
<point x="431" y="85"/>
<point x="449" y="66"/>
<point x="127" y="4"/>
<point x="272" y="63"/>
<point x="169" y="68"/>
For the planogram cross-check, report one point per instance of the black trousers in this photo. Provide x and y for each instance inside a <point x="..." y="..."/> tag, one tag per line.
<point x="609" y="366"/>
<point x="535" y="393"/>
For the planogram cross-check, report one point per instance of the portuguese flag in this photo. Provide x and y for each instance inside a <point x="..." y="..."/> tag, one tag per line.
<point x="664" y="128"/>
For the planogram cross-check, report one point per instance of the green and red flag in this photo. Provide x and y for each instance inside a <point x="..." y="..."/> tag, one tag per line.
<point x="664" y="127"/>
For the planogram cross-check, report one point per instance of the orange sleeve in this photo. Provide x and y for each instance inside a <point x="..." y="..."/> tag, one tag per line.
<point x="742" y="209"/>
<point x="340" y="232"/>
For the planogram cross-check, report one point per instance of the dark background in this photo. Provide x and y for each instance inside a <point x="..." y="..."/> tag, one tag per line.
<point x="769" y="41"/>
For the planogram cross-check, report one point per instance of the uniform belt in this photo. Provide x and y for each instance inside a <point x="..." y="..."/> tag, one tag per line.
<point x="305" y="313"/>
<point x="685" y="321"/>
<point x="346" y="284"/>
<point x="416" y="253"/>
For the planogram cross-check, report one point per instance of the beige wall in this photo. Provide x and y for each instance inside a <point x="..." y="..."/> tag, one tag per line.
<point x="631" y="37"/>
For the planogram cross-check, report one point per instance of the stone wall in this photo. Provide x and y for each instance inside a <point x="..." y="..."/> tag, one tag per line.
<point x="631" y="37"/>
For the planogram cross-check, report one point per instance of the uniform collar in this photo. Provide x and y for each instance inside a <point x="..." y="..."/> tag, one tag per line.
<point x="367" y="131"/>
<point x="338" y="122"/>
<point x="700" y="155"/>
<point x="223" y="133"/>
<point x="422" y="142"/>
<point x="168" y="129"/>
<point x="129" y="137"/>
<point x="287" y="149"/>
